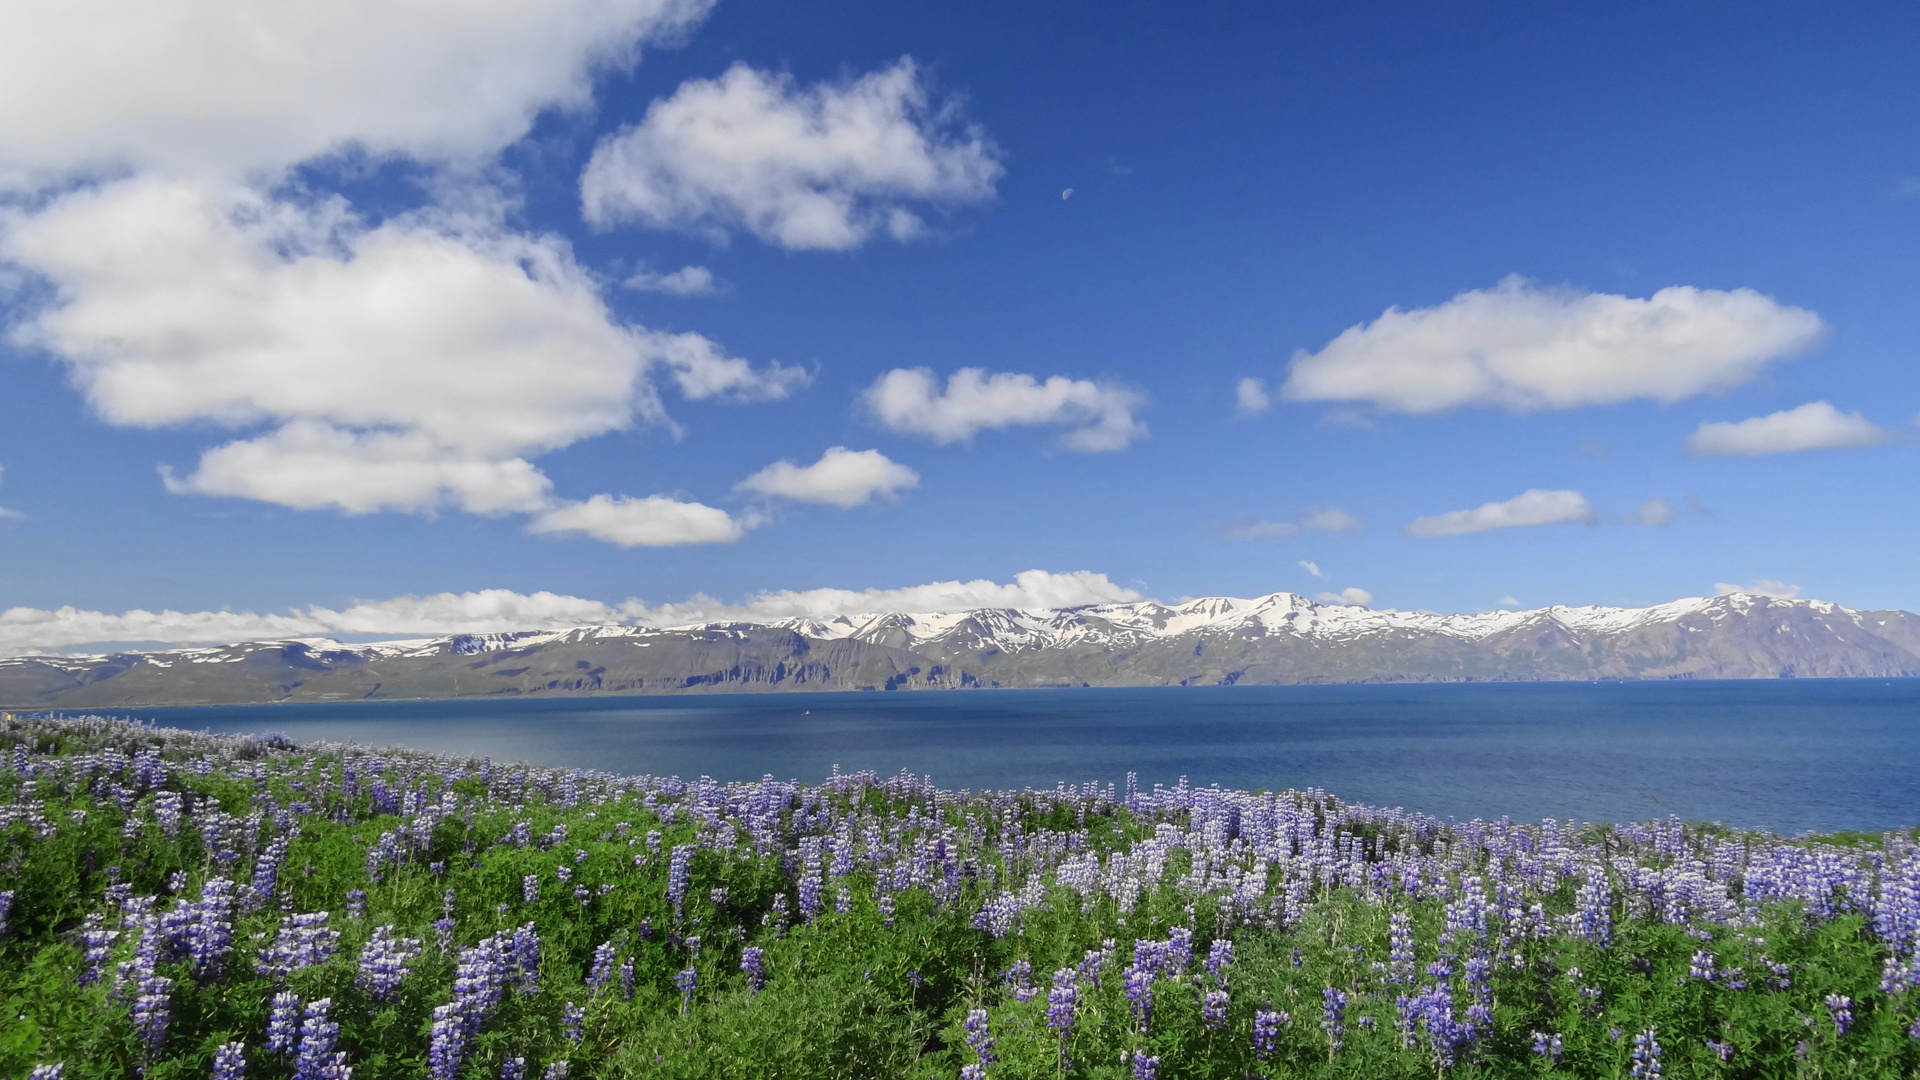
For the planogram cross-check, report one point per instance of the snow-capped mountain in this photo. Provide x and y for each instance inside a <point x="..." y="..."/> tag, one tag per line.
<point x="1280" y="638"/>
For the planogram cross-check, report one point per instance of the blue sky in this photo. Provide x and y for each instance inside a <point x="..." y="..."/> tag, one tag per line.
<point x="1249" y="182"/>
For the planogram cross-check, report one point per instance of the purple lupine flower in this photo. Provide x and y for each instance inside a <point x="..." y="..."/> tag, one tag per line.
<point x="530" y="889"/>
<point x="1179" y="949"/>
<point x="1547" y="1045"/>
<point x="6" y="910"/>
<point x="1266" y="1031"/>
<point x="356" y="903"/>
<point x="1213" y="1009"/>
<point x="1138" y="984"/>
<point x="975" y="1071"/>
<point x="443" y="934"/>
<point x="513" y="1068"/>
<point x="1219" y="958"/>
<point x="601" y="972"/>
<point x="446" y="903"/>
<point x="152" y="1009"/>
<point x="979" y="1038"/>
<point x="283" y="1023"/>
<point x="316" y="1059"/>
<point x="573" y="1022"/>
<point x="555" y="1071"/>
<point x="1701" y="966"/>
<point x="1721" y="1050"/>
<point x="1144" y="1067"/>
<point x="626" y="978"/>
<point x="1841" y="1008"/>
<point x="1062" y="1001"/>
<point x="688" y="981"/>
<point x="526" y="958"/>
<point x="1646" y="1057"/>
<point x="303" y="941"/>
<point x="1400" y="947"/>
<point x="753" y="964"/>
<point x="56" y="1071"/>
<point x="97" y="942"/>
<point x="679" y="873"/>
<point x="230" y="1061"/>
<point x="266" y="872"/>
<point x="1333" y="1017"/>
<point x="383" y="962"/>
<point x="447" y="1043"/>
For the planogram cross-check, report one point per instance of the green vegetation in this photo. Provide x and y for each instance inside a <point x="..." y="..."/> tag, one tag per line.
<point x="164" y="890"/>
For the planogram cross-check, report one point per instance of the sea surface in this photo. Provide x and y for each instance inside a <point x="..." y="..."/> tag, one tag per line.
<point x="1786" y="755"/>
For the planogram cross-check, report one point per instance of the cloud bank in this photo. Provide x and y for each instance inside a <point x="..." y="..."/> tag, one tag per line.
<point x="1779" y="590"/>
<point x="24" y="630"/>
<point x="1817" y="425"/>
<point x="1525" y="510"/>
<point x="825" y="167"/>
<point x="1525" y="348"/>
<point x="1099" y="416"/>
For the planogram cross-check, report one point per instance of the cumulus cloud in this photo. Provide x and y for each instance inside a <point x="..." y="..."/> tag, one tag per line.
<point x="1326" y="519"/>
<point x="197" y="88"/>
<point x="412" y="366"/>
<point x="686" y="281"/>
<point x="1350" y="596"/>
<point x="911" y="400"/>
<point x="1529" y="508"/>
<point x="1509" y="601"/>
<point x="653" y="521"/>
<point x="1029" y="589"/>
<point x="500" y="610"/>
<point x="415" y="365"/>
<point x="842" y="477"/>
<point x="1250" y="397"/>
<point x="1310" y="567"/>
<point x="1778" y="590"/>
<point x="1652" y="512"/>
<point x="1817" y="425"/>
<point x="1523" y="347"/>
<point x="827" y="166"/>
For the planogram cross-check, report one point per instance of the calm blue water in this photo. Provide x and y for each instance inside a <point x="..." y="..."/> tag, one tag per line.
<point x="1781" y="755"/>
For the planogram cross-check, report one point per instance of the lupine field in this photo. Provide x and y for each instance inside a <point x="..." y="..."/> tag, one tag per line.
<point x="186" y="905"/>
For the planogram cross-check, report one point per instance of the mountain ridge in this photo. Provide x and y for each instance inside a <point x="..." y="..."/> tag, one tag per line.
<point x="1273" y="639"/>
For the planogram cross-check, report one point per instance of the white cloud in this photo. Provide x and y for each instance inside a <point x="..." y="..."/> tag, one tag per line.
<point x="1349" y="596"/>
<point x="702" y="371"/>
<point x="1311" y="567"/>
<point x="822" y="167"/>
<point x="500" y="610"/>
<point x="1509" y="601"/>
<point x="1100" y="415"/>
<point x="686" y="281"/>
<point x="200" y="88"/>
<point x="408" y="367"/>
<point x="1029" y="589"/>
<point x="1778" y="590"/>
<point x="1524" y="347"/>
<point x="1817" y="425"/>
<point x="1326" y="519"/>
<point x="1531" y="507"/>
<point x="1250" y="397"/>
<point x="415" y="365"/>
<point x="653" y="521"/>
<point x="1652" y="512"/>
<point x="842" y="477"/>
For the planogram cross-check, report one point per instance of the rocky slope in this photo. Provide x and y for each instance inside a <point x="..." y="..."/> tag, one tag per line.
<point x="1282" y="638"/>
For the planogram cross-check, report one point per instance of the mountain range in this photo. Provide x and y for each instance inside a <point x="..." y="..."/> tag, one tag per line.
<point x="1213" y="641"/>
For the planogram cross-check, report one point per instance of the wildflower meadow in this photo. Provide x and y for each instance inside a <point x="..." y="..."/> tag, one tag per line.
<point x="178" y="905"/>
